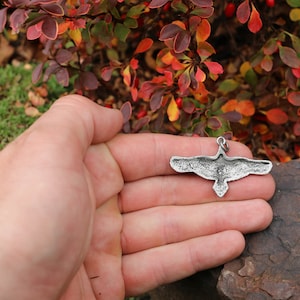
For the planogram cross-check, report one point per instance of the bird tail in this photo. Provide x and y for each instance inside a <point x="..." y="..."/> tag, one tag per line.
<point x="220" y="187"/>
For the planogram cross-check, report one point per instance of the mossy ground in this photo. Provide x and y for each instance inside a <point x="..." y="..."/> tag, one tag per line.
<point x="15" y="84"/>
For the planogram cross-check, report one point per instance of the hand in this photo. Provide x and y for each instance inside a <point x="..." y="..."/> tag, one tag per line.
<point x="87" y="213"/>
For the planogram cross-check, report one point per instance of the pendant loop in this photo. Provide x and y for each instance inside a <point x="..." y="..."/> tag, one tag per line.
<point x="221" y="141"/>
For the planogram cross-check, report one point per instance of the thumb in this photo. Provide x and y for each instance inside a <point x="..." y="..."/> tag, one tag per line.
<point x="75" y="122"/>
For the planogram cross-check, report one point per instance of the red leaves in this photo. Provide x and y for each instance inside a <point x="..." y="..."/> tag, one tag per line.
<point x="178" y="37"/>
<point x="294" y="98"/>
<point x="157" y="3"/>
<point x="202" y="3"/>
<point x="214" y="67"/>
<point x="63" y="56"/>
<point x="267" y="63"/>
<point x="156" y="99"/>
<point x="214" y="123"/>
<point x="126" y="110"/>
<point x="106" y="73"/>
<point x="18" y="18"/>
<point x="255" y="22"/>
<point x="199" y="3"/>
<point x="129" y="77"/>
<point x="54" y="9"/>
<point x="244" y="107"/>
<point x="181" y="41"/>
<point x="176" y="33"/>
<point x="205" y="50"/>
<point x="200" y="76"/>
<point x="203" y="31"/>
<point x="50" y="28"/>
<point x="245" y="13"/>
<point x="21" y="14"/>
<point x="184" y="81"/>
<point x="86" y="81"/>
<point x="270" y="47"/>
<point x="277" y="116"/>
<point x="296" y="72"/>
<point x="296" y="131"/>
<point x="118" y="44"/>
<point x="289" y="57"/>
<point x="34" y="31"/>
<point x="3" y="18"/>
<point x="205" y="12"/>
<point x="169" y="31"/>
<point x="37" y="73"/>
<point x="144" y="45"/>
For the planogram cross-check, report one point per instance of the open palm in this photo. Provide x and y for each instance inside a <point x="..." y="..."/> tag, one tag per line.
<point x="91" y="214"/>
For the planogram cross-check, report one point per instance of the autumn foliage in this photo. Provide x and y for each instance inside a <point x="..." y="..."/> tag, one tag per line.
<point x="196" y="67"/>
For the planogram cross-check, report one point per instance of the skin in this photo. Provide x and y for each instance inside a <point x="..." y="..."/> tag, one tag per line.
<point x="88" y="213"/>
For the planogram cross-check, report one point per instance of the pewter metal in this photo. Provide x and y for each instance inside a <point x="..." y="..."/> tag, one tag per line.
<point x="220" y="167"/>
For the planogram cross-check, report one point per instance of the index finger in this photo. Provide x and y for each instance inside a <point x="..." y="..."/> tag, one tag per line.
<point x="146" y="155"/>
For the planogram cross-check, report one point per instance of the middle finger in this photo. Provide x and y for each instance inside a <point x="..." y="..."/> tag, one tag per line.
<point x="189" y="189"/>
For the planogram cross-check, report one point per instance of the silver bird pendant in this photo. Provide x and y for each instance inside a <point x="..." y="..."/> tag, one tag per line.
<point x="220" y="167"/>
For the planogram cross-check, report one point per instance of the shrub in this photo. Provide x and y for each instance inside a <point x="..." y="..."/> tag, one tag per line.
<point x="183" y="66"/>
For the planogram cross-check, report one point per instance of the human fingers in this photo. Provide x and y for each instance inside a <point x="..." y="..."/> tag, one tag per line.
<point x="148" y="269"/>
<point x="189" y="189"/>
<point x="147" y="155"/>
<point x="159" y="226"/>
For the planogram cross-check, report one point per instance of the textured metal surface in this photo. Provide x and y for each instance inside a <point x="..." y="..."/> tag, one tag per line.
<point x="220" y="167"/>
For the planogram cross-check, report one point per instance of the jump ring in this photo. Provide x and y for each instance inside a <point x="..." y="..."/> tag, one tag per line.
<point x="221" y="141"/>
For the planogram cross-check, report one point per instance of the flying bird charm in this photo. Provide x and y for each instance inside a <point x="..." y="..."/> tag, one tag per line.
<point x="220" y="167"/>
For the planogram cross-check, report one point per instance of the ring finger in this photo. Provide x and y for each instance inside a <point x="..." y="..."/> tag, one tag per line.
<point x="171" y="224"/>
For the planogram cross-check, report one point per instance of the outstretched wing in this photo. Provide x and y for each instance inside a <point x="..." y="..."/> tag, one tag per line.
<point x="202" y="166"/>
<point x="241" y="167"/>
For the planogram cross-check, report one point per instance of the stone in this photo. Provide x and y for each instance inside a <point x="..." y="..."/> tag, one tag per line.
<point x="269" y="268"/>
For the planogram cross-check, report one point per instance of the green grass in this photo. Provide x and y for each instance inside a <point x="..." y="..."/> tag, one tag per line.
<point x="15" y="83"/>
